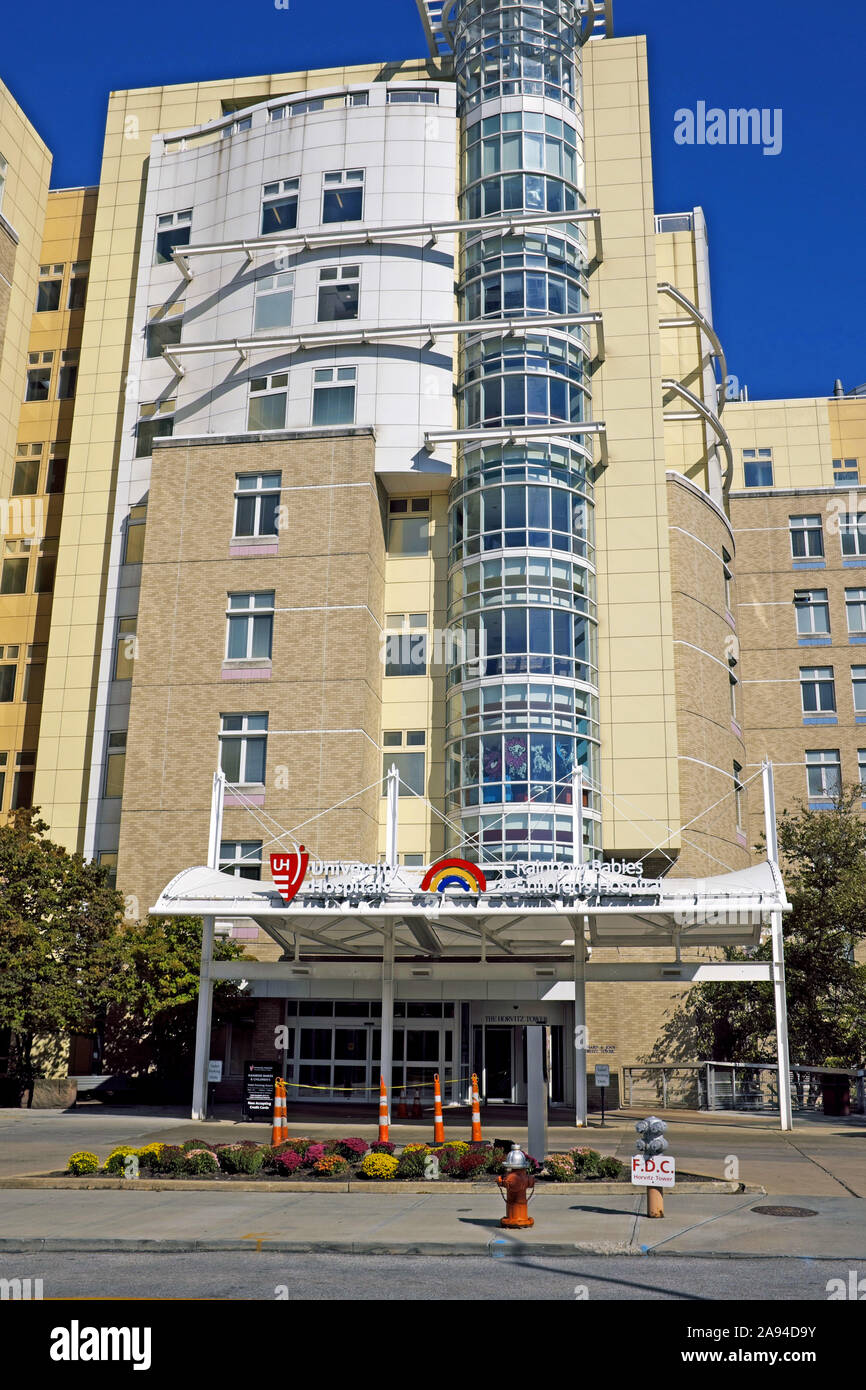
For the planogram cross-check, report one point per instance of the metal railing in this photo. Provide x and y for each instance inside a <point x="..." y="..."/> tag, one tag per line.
<point x="745" y="1086"/>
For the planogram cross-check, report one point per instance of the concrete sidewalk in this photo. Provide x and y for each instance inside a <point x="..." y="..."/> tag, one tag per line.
<point x="717" y="1226"/>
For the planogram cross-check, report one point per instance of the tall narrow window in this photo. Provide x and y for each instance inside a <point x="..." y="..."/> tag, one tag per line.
<point x="172" y="229"/>
<point x="343" y="196"/>
<point x="49" y="288"/>
<point x="28" y="461"/>
<point x="823" y="773"/>
<point x="46" y="566"/>
<point x="817" y="690"/>
<point x="280" y="206"/>
<point x="133" y="548"/>
<point x="4" y="757"/>
<point x="22" y="782"/>
<point x="38" y="386"/>
<point x="858" y="688"/>
<point x="758" y="467"/>
<point x="125" y="648"/>
<point x="409" y="526"/>
<point x="339" y="287"/>
<point x="257" y="502"/>
<point x="812" y="612"/>
<point x="16" y="558"/>
<point x="274" y="295"/>
<point x="67" y="379"/>
<point x="739" y="795"/>
<point x="409" y="764"/>
<point x="334" y="395"/>
<point x="852" y="533"/>
<point x="115" y="763"/>
<point x="807" y="536"/>
<point x="243" y="748"/>
<point x="267" y="406"/>
<point x="855" y="611"/>
<point x="157" y="422"/>
<point x="78" y="285"/>
<point x="249" y="626"/>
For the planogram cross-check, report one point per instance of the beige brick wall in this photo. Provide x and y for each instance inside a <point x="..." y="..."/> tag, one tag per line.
<point x="323" y="698"/>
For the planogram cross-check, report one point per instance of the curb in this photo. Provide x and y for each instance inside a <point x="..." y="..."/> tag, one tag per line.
<point x="391" y="1189"/>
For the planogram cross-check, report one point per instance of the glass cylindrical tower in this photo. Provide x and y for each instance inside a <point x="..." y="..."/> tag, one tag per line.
<point x="522" y="676"/>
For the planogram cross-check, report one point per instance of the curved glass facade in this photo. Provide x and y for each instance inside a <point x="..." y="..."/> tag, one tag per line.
<point x="522" y="678"/>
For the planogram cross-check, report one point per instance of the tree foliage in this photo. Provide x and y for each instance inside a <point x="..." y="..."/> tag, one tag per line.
<point x="822" y="856"/>
<point x="62" y="947"/>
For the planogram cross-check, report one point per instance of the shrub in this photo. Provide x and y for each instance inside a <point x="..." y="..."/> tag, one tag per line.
<point x="449" y="1164"/>
<point x="493" y="1160"/>
<point x="200" y="1162"/>
<point x="314" y="1153"/>
<point x="456" y="1147"/>
<point x="189" y="1144"/>
<point x="242" y="1158"/>
<point x="115" y="1161"/>
<point x="148" y="1157"/>
<point x="171" y="1159"/>
<point x="287" y="1163"/>
<point x="382" y="1146"/>
<point x="470" y="1165"/>
<point x="331" y="1166"/>
<point x="611" y="1168"/>
<point x="300" y="1146"/>
<point x="379" y="1165"/>
<point x="586" y="1162"/>
<point x="352" y="1149"/>
<point x="411" y="1163"/>
<point x="82" y="1162"/>
<point x="415" y="1148"/>
<point x="560" y="1167"/>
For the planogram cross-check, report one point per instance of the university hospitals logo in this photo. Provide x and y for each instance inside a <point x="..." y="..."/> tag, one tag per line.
<point x="453" y="873"/>
<point x="287" y="871"/>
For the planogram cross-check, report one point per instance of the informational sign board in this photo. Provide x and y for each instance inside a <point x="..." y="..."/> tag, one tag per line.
<point x="656" y="1171"/>
<point x="214" y="1071"/>
<point x="258" y="1101"/>
<point x="602" y="1074"/>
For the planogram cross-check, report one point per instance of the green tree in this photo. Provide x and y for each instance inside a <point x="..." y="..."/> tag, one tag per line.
<point x="154" y="1030"/>
<point x="62" y="948"/>
<point x="823" y="861"/>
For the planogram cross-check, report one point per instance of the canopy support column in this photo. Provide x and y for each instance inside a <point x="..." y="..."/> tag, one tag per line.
<point x="387" y="1013"/>
<point x="580" y="1036"/>
<point x="786" y="1118"/>
<point x="204" y="1011"/>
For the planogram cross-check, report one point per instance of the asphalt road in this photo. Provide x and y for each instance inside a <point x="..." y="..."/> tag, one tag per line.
<point x="342" y="1278"/>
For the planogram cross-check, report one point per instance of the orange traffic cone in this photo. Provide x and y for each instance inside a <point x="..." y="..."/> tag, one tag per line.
<point x="438" y="1126"/>
<point x="285" y="1133"/>
<point x="383" y="1112"/>
<point x="402" y="1111"/>
<point x="476" y="1111"/>
<point x="416" y="1106"/>
<point x="279" y="1125"/>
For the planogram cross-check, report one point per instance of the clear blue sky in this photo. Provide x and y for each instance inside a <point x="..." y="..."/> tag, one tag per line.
<point x="786" y="232"/>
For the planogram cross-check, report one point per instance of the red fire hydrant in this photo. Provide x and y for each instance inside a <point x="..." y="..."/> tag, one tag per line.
<point x="516" y="1189"/>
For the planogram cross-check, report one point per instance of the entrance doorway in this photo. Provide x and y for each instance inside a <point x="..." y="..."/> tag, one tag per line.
<point x="493" y="1050"/>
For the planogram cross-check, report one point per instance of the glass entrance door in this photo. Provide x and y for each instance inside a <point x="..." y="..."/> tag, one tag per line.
<point x="499" y="1063"/>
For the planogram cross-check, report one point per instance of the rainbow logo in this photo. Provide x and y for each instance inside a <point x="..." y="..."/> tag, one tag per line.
<point x="453" y="873"/>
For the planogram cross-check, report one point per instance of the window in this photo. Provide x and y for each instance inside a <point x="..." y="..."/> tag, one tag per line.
<point x="78" y="285"/>
<point x="7" y="682"/>
<point x="107" y="858"/>
<point x="25" y="481"/>
<point x="280" y="206"/>
<point x="812" y="612"/>
<point x="343" y="196"/>
<point x="807" y="536"/>
<point x="115" y="763"/>
<point x="339" y="287"/>
<point x="855" y="611"/>
<point x="409" y="526"/>
<point x="242" y="123"/>
<point x="418" y="96"/>
<point x="861" y="771"/>
<point x="739" y="795"/>
<point x="817" y="689"/>
<point x="22" y="782"/>
<point x="267" y="407"/>
<point x="257" y="501"/>
<point x="729" y="580"/>
<point x="823" y="772"/>
<point x="16" y="558"/>
<point x="133" y="549"/>
<point x="334" y="395"/>
<point x="846" y="472"/>
<point x="406" y="644"/>
<point x="243" y="748"/>
<point x="34" y="673"/>
<point x="125" y="648"/>
<point x="49" y="288"/>
<point x="241" y="858"/>
<point x="274" y="295"/>
<point x="68" y="377"/>
<point x="172" y="229"/>
<point x="733" y="684"/>
<point x="249" y="626"/>
<point x="410" y="765"/>
<point x="858" y="688"/>
<point x="163" y="332"/>
<point x="56" y="479"/>
<point x="758" y="467"/>
<point x="46" y="566"/>
<point x="39" y="376"/>
<point x="4" y="757"/>
<point x="852" y="530"/>
<point x="157" y="422"/>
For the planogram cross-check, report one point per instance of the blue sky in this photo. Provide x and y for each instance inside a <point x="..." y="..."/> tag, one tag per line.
<point x="786" y="231"/>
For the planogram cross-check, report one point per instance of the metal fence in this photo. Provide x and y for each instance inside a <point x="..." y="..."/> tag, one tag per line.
<point x="733" y="1086"/>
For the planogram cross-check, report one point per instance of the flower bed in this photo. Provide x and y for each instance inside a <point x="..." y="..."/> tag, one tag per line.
<point x="329" y="1159"/>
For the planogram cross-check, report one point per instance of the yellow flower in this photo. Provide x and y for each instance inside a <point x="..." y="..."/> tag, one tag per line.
<point x="379" y="1166"/>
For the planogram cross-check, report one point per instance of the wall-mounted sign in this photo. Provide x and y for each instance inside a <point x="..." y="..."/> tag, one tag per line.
<point x="521" y="1020"/>
<point x="214" y="1071"/>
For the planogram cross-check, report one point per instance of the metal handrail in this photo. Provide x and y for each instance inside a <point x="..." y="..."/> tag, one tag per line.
<point x="703" y="323"/>
<point x="704" y="412"/>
